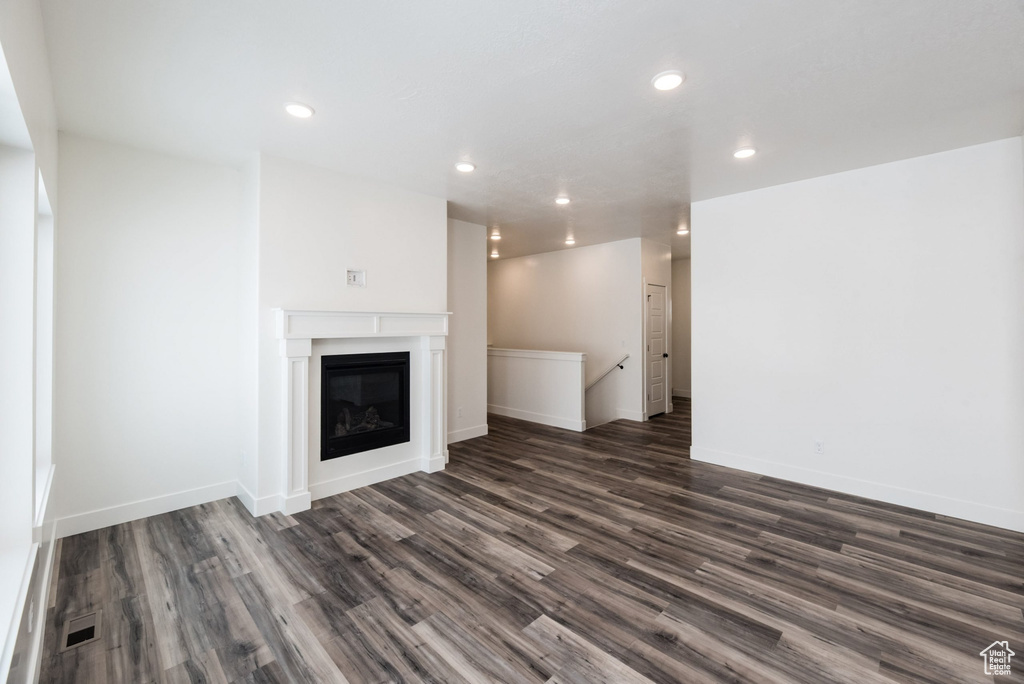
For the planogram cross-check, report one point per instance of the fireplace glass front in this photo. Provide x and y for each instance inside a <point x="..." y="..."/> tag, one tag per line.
<point x="364" y="402"/>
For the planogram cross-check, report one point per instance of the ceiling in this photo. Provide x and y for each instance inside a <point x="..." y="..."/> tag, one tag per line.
<point x="546" y="96"/>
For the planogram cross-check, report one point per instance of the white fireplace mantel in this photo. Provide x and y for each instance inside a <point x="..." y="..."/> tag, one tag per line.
<point x="293" y="325"/>
<point x="296" y="331"/>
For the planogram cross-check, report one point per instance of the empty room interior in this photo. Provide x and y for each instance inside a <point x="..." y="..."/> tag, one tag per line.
<point x="565" y="341"/>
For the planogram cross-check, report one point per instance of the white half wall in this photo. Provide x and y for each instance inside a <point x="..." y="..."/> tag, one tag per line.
<point x="585" y="299"/>
<point x="147" y="381"/>
<point x="539" y="386"/>
<point x="467" y="330"/>
<point x="681" y="327"/>
<point x="881" y="312"/>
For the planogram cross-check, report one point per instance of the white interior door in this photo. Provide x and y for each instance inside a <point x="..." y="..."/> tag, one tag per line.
<point x="657" y="356"/>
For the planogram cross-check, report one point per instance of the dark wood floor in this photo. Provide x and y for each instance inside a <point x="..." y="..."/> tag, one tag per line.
<point x="542" y="555"/>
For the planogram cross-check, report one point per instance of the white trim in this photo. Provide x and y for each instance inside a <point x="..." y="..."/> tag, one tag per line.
<point x="296" y="503"/>
<point x="296" y="331"/>
<point x="257" y="506"/>
<point x="115" y="515"/>
<point x="934" y="503"/>
<point x="543" y="419"/>
<point x="295" y="419"/>
<point x="647" y="356"/>
<point x="627" y="414"/>
<point x="44" y="500"/>
<point x="467" y="433"/>
<point x="35" y="654"/>
<point x="320" y="490"/>
<point x="574" y="357"/>
<point x="436" y="408"/>
<point x="19" y="608"/>
<point x="681" y="393"/>
<point x="343" y="324"/>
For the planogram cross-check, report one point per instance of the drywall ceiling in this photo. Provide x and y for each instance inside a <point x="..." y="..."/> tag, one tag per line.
<point x="546" y="96"/>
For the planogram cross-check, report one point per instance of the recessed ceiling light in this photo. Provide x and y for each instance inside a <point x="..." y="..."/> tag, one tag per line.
<point x="683" y="230"/>
<point x="494" y="254"/>
<point x="744" y="152"/>
<point x="668" y="80"/>
<point x="570" y="241"/>
<point x="495" y="237"/>
<point x="299" y="110"/>
<point x="465" y="167"/>
<point x="562" y="200"/>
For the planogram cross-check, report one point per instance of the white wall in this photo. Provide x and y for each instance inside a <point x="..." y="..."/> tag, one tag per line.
<point x="24" y="50"/>
<point x="148" y="386"/>
<point x="880" y="311"/>
<point x="313" y="225"/>
<point x="467" y="330"/>
<point x="28" y="124"/>
<point x="681" y="327"/>
<point x="584" y="299"/>
<point x="249" y="330"/>
<point x="656" y="265"/>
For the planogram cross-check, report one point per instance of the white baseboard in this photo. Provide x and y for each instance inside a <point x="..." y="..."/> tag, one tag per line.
<point x="13" y="563"/>
<point x="681" y="393"/>
<point x="115" y="515"/>
<point x="467" y="433"/>
<point x="626" y="414"/>
<point x="542" y="418"/>
<point x="290" y="505"/>
<point x="255" y="505"/>
<point x="35" y="654"/>
<point x="436" y="464"/>
<point x="369" y="477"/>
<point x="933" y="503"/>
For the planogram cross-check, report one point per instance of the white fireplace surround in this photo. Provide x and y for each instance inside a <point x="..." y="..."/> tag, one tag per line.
<point x="296" y="331"/>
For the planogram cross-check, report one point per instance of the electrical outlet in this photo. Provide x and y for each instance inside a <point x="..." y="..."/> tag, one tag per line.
<point x="819" y="447"/>
<point x="459" y="412"/>
<point x="355" y="278"/>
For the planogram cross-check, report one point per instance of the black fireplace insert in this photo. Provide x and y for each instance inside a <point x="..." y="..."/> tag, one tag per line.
<point x="364" y="402"/>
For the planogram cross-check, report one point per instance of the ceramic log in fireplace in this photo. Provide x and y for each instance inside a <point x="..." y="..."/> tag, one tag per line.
<point x="364" y="402"/>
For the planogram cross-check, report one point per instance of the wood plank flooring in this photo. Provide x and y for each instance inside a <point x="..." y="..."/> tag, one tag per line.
<point x="542" y="555"/>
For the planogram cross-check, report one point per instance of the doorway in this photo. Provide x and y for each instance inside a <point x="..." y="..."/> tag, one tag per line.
<point x="656" y="357"/>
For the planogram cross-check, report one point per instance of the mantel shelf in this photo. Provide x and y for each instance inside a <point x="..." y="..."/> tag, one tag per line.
<point x="293" y="324"/>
